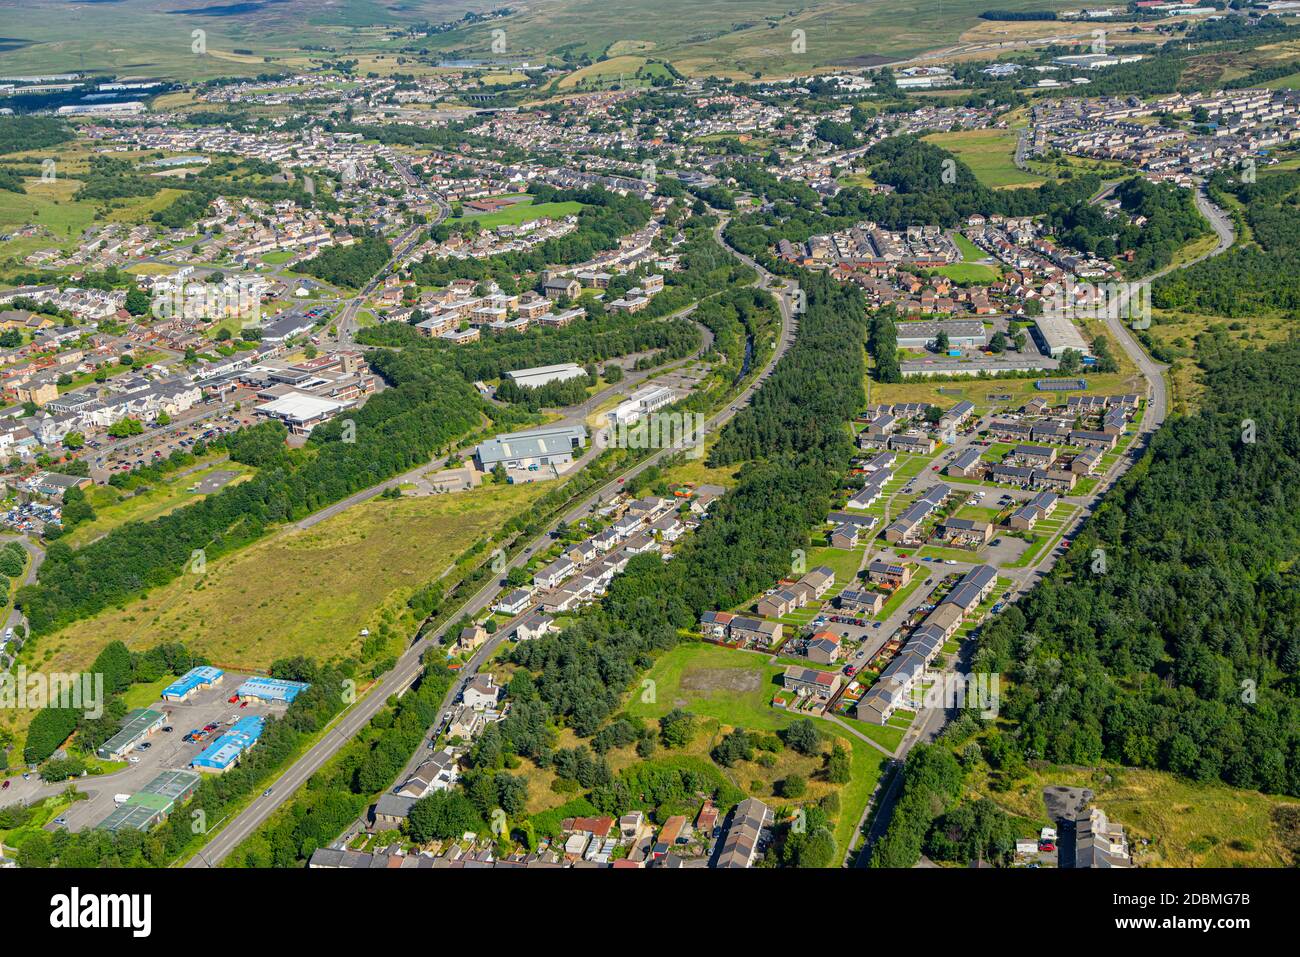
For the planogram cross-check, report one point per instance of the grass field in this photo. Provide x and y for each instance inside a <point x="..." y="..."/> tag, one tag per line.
<point x="524" y="211"/>
<point x="734" y="688"/>
<point x="299" y="592"/>
<point x="114" y="508"/>
<point x="970" y="273"/>
<point x="1188" y="824"/>
<point x="990" y="154"/>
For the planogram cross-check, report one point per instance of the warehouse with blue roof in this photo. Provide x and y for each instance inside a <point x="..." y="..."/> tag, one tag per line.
<point x="193" y="680"/>
<point x="221" y="755"/>
<point x="271" y="690"/>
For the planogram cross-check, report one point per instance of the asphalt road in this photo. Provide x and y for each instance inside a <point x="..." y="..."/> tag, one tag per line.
<point x="409" y="666"/>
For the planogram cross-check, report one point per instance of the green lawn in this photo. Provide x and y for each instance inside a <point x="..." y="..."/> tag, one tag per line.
<point x="990" y="154"/>
<point x="524" y="211"/>
<point x="969" y="251"/>
<point x="970" y="273"/>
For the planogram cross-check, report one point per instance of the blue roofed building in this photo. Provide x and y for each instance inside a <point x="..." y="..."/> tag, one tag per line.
<point x="193" y="680"/>
<point x="220" y="756"/>
<point x="272" y="690"/>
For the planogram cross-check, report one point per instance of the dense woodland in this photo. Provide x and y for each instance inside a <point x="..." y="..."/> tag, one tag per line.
<point x="1169" y="636"/>
<point x="351" y="266"/>
<point x="1253" y="277"/>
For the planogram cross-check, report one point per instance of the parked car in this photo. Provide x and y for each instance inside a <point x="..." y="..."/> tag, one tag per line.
<point x="5" y="786"/>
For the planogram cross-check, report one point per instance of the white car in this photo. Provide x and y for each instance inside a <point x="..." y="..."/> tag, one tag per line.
<point x="133" y="759"/>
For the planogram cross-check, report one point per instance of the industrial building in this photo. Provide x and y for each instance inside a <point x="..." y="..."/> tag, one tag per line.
<point x="221" y="755"/>
<point x="531" y="450"/>
<point x="272" y="690"/>
<point x="540" y="376"/>
<point x="138" y="725"/>
<point x="196" y="679"/>
<point x="152" y="803"/>
<point x="922" y="334"/>
<point x="1056" y="334"/>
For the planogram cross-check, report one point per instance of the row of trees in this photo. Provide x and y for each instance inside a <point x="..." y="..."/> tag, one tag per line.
<point x="425" y="409"/>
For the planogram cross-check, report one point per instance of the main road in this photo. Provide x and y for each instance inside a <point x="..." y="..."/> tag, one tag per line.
<point x="410" y="666"/>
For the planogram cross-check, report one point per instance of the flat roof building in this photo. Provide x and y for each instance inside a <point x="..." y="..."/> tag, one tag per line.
<point x="1056" y="334"/>
<point x="541" y="375"/>
<point x="205" y="676"/>
<point x="221" y="755"/>
<point x="271" y="689"/>
<point x="523" y="450"/>
<point x="138" y="725"/>
<point x="300" y="411"/>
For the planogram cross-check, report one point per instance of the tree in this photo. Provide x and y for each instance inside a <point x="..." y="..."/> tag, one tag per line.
<point x="941" y="341"/>
<point x="676" y="728"/>
<point x="794" y="786"/>
<point x="803" y="736"/>
<point x="838" y="764"/>
<point x="74" y="440"/>
<point x="441" y="816"/>
<point x="137" y="302"/>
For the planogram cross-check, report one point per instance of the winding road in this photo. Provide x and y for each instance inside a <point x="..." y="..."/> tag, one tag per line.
<point x="410" y="666"/>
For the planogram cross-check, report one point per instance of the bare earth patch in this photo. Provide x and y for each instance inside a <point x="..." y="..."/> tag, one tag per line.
<point x="709" y="680"/>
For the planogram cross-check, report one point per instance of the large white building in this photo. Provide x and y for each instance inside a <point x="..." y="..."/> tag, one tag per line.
<point x="643" y="401"/>
<point x="1056" y="334"/>
<point x="531" y="450"/>
<point x="540" y="376"/>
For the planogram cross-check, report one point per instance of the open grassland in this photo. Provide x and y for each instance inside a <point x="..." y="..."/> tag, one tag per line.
<point x="298" y="592"/>
<point x="114" y="507"/>
<point x="1187" y="824"/>
<point x="149" y="38"/>
<point x="990" y="154"/>
<point x="524" y="211"/>
<point x="719" y="37"/>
